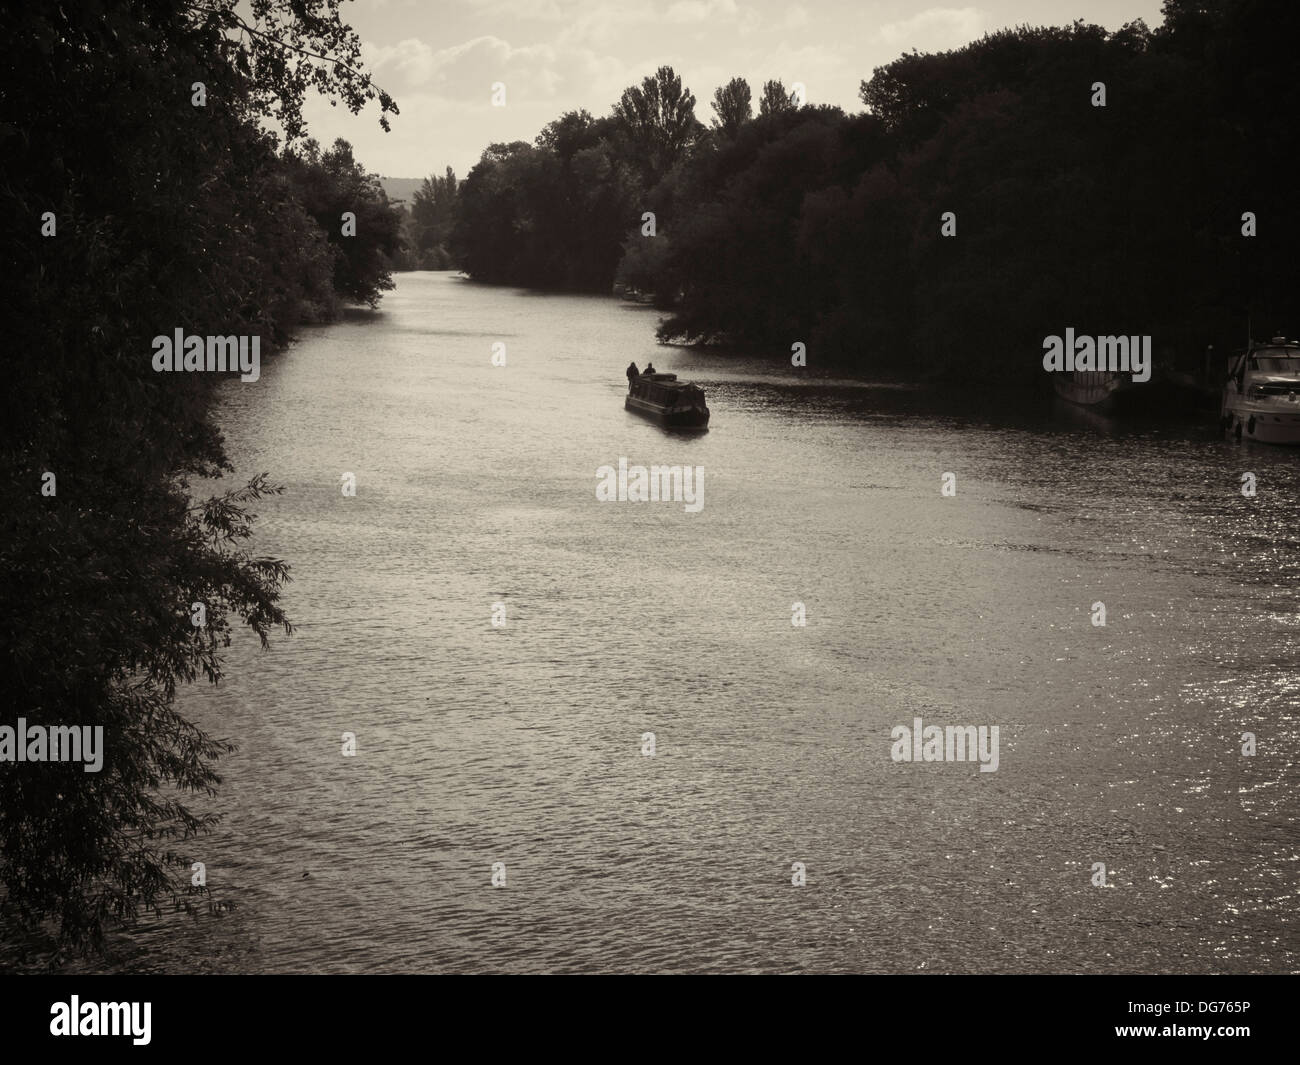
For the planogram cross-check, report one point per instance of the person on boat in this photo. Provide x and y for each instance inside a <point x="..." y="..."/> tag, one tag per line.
<point x="632" y="373"/>
<point x="649" y="368"/>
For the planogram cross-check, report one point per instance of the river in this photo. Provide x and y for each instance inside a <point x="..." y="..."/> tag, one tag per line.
<point x="522" y="743"/>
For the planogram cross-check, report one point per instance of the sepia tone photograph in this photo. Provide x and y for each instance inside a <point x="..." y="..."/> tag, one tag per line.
<point x="687" y="487"/>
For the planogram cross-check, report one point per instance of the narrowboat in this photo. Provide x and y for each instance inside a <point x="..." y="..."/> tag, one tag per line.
<point x="670" y="402"/>
<point x="1261" y="398"/>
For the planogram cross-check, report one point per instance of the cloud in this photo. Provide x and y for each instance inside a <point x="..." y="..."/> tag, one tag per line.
<point x="688" y="11"/>
<point x="935" y="28"/>
<point x="609" y="14"/>
<point x="410" y="60"/>
<point x="796" y="18"/>
<point x="603" y="26"/>
<point x="806" y="63"/>
<point x="555" y="77"/>
<point x="466" y="71"/>
<point x="540" y="10"/>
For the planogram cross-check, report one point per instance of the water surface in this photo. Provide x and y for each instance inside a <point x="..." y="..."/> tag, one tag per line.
<point x="522" y="744"/>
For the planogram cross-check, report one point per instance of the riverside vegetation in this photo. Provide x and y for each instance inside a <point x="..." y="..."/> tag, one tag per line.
<point x="1131" y="180"/>
<point x="128" y="210"/>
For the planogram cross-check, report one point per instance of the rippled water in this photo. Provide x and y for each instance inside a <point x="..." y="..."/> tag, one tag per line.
<point x="522" y="744"/>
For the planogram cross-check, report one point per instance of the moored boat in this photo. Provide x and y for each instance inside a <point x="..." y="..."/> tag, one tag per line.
<point x="1261" y="398"/>
<point x="667" y="400"/>
<point x="1088" y="388"/>
<point x="1115" y="392"/>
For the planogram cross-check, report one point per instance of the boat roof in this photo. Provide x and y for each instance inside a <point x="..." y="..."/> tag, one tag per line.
<point x="1288" y="348"/>
<point x="669" y="379"/>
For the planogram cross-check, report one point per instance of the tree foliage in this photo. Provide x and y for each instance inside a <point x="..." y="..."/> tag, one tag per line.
<point x="806" y="223"/>
<point x="658" y="118"/>
<point x="732" y="107"/>
<point x="328" y="185"/>
<point x="775" y="99"/>
<point x="168" y="216"/>
<point x="533" y="216"/>
<point x="433" y="213"/>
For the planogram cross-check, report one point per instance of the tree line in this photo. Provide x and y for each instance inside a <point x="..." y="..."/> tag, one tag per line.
<point x="1133" y="182"/>
<point x="426" y="224"/>
<point x="141" y="192"/>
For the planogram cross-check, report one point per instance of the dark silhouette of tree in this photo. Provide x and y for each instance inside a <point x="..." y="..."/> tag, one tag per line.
<point x="330" y="183"/>
<point x="572" y="132"/>
<point x="433" y="213"/>
<point x="812" y="224"/>
<point x="168" y="216"/>
<point x="732" y="108"/>
<point x="530" y="216"/>
<point x="658" y="118"/>
<point x="775" y="100"/>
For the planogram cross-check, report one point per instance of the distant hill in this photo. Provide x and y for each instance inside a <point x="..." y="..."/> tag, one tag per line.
<point x="401" y="188"/>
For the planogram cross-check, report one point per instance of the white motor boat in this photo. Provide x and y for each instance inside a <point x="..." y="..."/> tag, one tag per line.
<point x="1261" y="399"/>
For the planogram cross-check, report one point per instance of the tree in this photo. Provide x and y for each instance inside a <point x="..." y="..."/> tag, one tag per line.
<point x="531" y="216"/>
<point x="433" y="214"/>
<point x="734" y="262"/>
<point x="572" y="132"/>
<point x="331" y="184"/>
<point x="169" y="215"/>
<point x="775" y="99"/>
<point x="731" y="104"/>
<point x="292" y="47"/>
<point x="812" y="223"/>
<point x="658" y="118"/>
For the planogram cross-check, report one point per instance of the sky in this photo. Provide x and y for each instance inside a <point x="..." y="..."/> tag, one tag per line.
<point x="440" y="60"/>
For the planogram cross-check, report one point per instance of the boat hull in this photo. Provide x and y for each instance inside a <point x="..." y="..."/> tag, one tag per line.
<point x="1115" y="392"/>
<point x="1089" y="388"/>
<point x="677" y="417"/>
<point x="1264" y="422"/>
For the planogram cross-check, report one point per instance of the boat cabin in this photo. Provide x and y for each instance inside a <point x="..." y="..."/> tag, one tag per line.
<point x="662" y="396"/>
<point x="1279" y="358"/>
